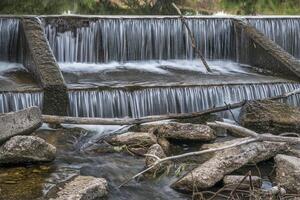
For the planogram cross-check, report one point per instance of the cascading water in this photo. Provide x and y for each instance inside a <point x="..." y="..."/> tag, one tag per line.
<point x="154" y="101"/>
<point x="13" y="101"/>
<point x="142" y="39"/>
<point x="124" y="40"/>
<point x="285" y="32"/>
<point x="9" y="35"/>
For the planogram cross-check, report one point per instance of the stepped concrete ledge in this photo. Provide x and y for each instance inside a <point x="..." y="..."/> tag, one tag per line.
<point x="40" y="61"/>
<point x="265" y="53"/>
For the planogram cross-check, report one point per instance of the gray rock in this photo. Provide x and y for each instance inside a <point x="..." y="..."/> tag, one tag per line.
<point x="233" y="180"/>
<point x="26" y="149"/>
<point x="22" y="122"/>
<point x="165" y="145"/>
<point x="133" y="139"/>
<point x="84" y="188"/>
<point x="270" y="116"/>
<point x="156" y="150"/>
<point x="288" y="172"/>
<point x="293" y="152"/>
<point x="185" y="131"/>
<point x="226" y="161"/>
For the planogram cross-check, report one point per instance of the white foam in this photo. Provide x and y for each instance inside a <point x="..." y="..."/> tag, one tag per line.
<point x="159" y="67"/>
<point x="10" y="66"/>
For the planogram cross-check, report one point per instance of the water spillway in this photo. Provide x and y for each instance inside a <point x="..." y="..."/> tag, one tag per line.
<point x="124" y="39"/>
<point x="155" y="53"/>
<point x="163" y="100"/>
<point x="283" y="31"/>
<point x="125" y="50"/>
<point x="9" y="39"/>
<point x="13" y="76"/>
<point x="14" y="101"/>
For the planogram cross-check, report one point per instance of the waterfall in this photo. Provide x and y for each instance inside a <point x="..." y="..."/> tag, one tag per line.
<point x="9" y="36"/>
<point x="124" y="39"/>
<point x="285" y="32"/>
<point x="155" y="101"/>
<point x="14" y="101"/>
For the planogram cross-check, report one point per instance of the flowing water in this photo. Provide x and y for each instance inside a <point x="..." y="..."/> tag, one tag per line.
<point x="14" y="101"/>
<point x="155" y="101"/>
<point x="285" y="32"/>
<point x="121" y="39"/>
<point x="9" y="38"/>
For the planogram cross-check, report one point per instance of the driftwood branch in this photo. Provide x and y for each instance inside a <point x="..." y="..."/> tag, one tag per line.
<point x="244" y="132"/>
<point x="196" y="153"/>
<point x="192" y="38"/>
<point x="132" y="121"/>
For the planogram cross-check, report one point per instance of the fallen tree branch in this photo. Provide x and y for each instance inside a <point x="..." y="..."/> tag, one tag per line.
<point x="132" y="121"/>
<point x="196" y="153"/>
<point x="192" y="38"/>
<point x="244" y="132"/>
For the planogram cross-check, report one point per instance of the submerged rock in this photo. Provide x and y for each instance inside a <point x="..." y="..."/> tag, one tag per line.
<point x="22" y="122"/>
<point x="270" y="116"/>
<point x="226" y="161"/>
<point x="133" y="139"/>
<point x="156" y="150"/>
<point x="26" y="149"/>
<point x="288" y="172"/>
<point x="234" y="180"/>
<point x="84" y="188"/>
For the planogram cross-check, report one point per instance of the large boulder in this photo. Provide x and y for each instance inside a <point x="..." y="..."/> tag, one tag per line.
<point x="22" y="122"/>
<point x="84" y="188"/>
<point x="225" y="162"/>
<point x="288" y="172"/>
<point x="26" y="149"/>
<point x="270" y="116"/>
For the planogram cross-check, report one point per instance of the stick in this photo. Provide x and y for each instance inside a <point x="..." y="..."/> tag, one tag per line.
<point x="192" y="38"/>
<point x="132" y="121"/>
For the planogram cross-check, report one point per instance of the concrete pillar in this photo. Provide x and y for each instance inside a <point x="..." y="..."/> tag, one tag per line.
<point x="40" y="61"/>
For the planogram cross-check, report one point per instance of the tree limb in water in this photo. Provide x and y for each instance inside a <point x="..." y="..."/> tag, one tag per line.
<point x="131" y="121"/>
<point x="252" y="137"/>
<point x="196" y="153"/>
<point x="192" y="38"/>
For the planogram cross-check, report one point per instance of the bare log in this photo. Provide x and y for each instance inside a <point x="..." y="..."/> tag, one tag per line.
<point x="244" y="132"/>
<point x="192" y="38"/>
<point x="132" y="121"/>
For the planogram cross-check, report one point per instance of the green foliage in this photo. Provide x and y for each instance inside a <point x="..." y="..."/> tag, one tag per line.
<point x="250" y="7"/>
<point x="148" y="7"/>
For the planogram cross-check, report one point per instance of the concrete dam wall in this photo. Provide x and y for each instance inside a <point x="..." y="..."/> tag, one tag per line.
<point x="84" y="65"/>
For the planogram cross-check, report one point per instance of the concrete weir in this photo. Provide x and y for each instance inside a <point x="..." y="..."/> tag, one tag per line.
<point x="259" y="51"/>
<point x="83" y="43"/>
<point x="39" y="60"/>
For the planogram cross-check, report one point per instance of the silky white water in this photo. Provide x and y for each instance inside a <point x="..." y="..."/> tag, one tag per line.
<point x="164" y="100"/>
<point x="158" y="66"/>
